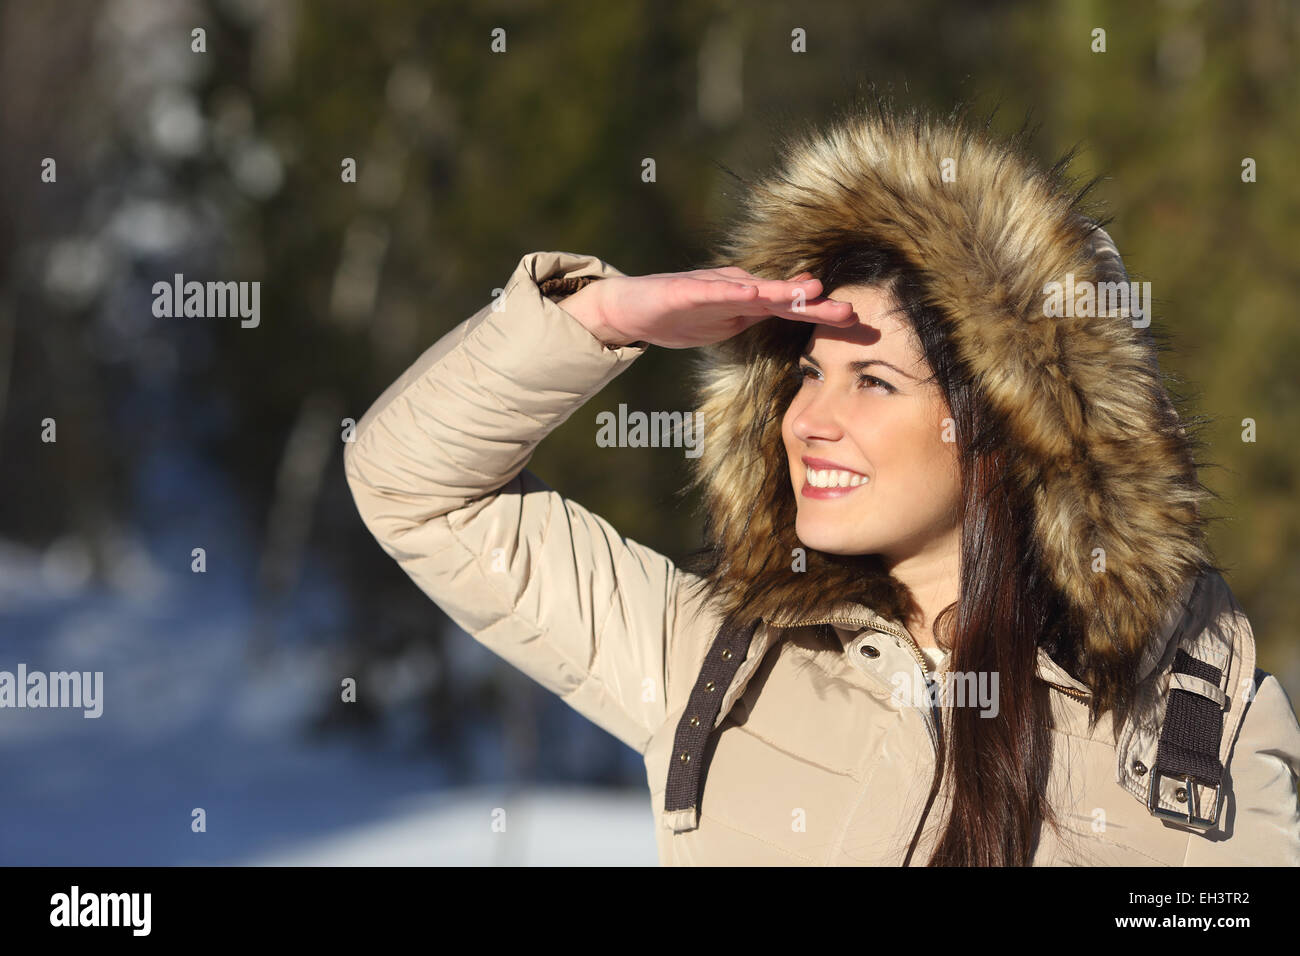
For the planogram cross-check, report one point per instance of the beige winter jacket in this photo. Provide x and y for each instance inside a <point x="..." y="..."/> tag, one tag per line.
<point x="820" y="755"/>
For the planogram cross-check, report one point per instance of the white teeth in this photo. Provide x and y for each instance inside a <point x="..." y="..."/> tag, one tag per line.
<point x="828" y="478"/>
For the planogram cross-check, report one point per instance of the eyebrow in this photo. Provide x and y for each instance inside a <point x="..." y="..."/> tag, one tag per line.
<point x="860" y="365"/>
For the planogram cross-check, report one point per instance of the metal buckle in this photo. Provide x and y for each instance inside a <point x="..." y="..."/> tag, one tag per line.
<point x="1190" y="818"/>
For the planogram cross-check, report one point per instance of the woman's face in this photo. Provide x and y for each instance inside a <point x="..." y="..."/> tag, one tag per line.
<point x="876" y="422"/>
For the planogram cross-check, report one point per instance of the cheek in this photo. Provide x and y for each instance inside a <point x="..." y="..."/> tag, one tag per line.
<point x="936" y="459"/>
<point x="913" y="446"/>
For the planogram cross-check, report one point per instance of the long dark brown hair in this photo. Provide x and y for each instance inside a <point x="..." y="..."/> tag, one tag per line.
<point x="997" y="767"/>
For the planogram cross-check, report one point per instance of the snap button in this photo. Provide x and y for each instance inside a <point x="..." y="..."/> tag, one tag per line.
<point x="1181" y="795"/>
<point x="726" y="654"/>
<point x="1139" y="768"/>
<point x="869" y="651"/>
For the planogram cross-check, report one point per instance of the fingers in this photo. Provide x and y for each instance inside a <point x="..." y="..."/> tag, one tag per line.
<point x="784" y="290"/>
<point x="735" y="272"/>
<point x="824" y="312"/>
<point x="761" y="298"/>
<point x="777" y="297"/>
<point x="839" y="319"/>
<point x="725" y="290"/>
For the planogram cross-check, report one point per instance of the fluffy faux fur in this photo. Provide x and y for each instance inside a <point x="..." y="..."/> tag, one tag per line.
<point x="1097" y="438"/>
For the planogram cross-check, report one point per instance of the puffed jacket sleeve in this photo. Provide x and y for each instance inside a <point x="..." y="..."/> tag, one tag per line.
<point x="1263" y="807"/>
<point x="436" y="468"/>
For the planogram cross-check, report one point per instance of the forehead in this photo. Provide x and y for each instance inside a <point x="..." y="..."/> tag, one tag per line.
<point x="880" y="328"/>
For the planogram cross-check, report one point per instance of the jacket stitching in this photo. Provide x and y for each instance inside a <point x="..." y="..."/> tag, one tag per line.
<point x="404" y="394"/>
<point x="516" y="410"/>
<point x="598" y="638"/>
<point x="558" y="501"/>
<point x="734" y="828"/>
<point x="820" y="660"/>
<point x="794" y="756"/>
<point x="404" y="398"/>
<point x="544" y="633"/>
<point x="1120" y="845"/>
<point x="843" y="829"/>
<point x="1100" y="741"/>
<point x="670" y="631"/>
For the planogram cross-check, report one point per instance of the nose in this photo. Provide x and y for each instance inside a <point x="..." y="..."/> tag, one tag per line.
<point x="817" y="416"/>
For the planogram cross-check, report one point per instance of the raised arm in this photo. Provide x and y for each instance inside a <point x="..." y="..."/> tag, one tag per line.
<point x="437" y="472"/>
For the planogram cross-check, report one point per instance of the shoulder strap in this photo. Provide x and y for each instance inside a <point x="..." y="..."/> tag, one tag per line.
<point x="1188" y="747"/>
<point x="1190" y="735"/>
<point x="686" y="764"/>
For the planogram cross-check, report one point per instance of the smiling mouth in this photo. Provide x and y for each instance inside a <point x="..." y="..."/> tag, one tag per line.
<point x="830" y="478"/>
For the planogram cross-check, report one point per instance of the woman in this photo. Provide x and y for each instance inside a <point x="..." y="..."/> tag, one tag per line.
<point x="955" y="604"/>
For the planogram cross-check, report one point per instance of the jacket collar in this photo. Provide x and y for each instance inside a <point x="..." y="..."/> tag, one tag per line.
<point x="1205" y="622"/>
<point x="849" y="618"/>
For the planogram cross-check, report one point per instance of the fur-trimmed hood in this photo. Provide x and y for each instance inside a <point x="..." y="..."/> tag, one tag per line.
<point x="1097" y="441"/>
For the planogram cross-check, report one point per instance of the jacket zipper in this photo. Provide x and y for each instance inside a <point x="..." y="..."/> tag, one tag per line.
<point x="911" y="645"/>
<point x="875" y="626"/>
<point x="935" y="723"/>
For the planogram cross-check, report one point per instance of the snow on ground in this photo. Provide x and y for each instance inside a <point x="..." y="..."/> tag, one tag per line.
<point x="188" y="723"/>
<point x="489" y="827"/>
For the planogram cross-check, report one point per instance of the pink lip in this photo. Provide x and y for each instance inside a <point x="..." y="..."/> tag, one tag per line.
<point x="808" y="491"/>
<point x="821" y="463"/>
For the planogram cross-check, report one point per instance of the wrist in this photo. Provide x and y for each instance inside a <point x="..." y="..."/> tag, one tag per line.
<point x="584" y="306"/>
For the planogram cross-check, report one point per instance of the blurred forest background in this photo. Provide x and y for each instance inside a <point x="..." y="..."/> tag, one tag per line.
<point x="177" y="434"/>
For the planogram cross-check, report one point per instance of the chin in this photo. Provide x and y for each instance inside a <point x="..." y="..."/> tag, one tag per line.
<point x="829" y="540"/>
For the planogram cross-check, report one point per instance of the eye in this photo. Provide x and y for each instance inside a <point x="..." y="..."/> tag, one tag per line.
<point x="871" y="379"/>
<point x="803" y="371"/>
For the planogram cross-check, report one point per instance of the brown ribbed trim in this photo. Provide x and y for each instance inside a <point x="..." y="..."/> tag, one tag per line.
<point x="560" y="286"/>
